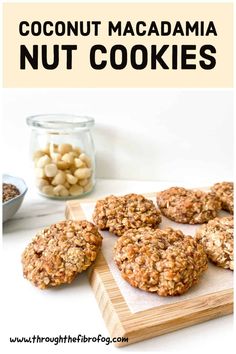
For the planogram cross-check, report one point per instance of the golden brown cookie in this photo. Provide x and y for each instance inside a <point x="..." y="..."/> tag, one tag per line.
<point x="188" y="206"/>
<point x="165" y="262"/>
<point x="131" y="211"/>
<point x="217" y="238"/>
<point x="225" y="191"/>
<point x="61" y="251"/>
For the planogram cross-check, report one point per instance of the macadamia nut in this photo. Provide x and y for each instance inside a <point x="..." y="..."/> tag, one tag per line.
<point x="60" y="178"/>
<point x="71" y="179"/>
<point x="79" y="163"/>
<point x="83" y="173"/>
<point x="85" y="159"/>
<point x="62" y="165"/>
<point x="62" y="170"/>
<point x="48" y="190"/>
<point x="83" y="182"/>
<point x="76" y="190"/>
<point x="43" y="161"/>
<point x="50" y="170"/>
<point x="68" y="157"/>
<point x="60" y="190"/>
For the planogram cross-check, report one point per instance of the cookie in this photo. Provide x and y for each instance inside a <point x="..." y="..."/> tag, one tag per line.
<point x="225" y="191"/>
<point x="59" y="252"/>
<point x="188" y="206"/>
<point x="165" y="262"/>
<point x="217" y="239"/>
<point x="131" y="211"/>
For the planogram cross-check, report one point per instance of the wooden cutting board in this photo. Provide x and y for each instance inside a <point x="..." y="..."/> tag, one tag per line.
<point x="152" y="322"/>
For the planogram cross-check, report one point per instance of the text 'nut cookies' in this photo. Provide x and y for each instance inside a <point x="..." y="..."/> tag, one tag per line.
<point x="165" y="262"/>
<point x="188" y="206"/>
<point x="225" y="192"/>
<point x="131" y="211"/>
<point x="217" y="238"/>
<point x="61" y="251"/>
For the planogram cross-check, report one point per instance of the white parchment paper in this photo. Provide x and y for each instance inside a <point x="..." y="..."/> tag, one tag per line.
<point x="213" y="280"/>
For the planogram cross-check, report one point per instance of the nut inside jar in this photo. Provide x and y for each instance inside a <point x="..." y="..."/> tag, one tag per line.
<point x="63" y="170"/>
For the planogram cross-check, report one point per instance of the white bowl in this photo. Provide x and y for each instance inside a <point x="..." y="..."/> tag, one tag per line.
<point x="10" y="207"/>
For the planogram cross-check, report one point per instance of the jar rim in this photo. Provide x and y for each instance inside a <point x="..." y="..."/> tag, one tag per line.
<point x="60" y="121"/>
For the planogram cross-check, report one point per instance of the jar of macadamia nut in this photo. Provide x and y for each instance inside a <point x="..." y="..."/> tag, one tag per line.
<point x="62" y="153"/>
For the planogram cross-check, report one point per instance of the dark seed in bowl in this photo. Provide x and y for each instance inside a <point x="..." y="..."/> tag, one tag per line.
<point x="9" y="191"/>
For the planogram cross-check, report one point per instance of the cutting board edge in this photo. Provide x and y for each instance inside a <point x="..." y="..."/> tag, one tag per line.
<point x="116" y="314"/>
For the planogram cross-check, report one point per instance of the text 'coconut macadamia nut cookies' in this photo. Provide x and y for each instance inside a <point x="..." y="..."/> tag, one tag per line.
<point x="217" y="238"/>
<point x="225" y="192"/>
<point x="131" y="211"/>
<point x="165" y="262"/>
<point x="61" y="251"/>
<point x="188" y="206"/>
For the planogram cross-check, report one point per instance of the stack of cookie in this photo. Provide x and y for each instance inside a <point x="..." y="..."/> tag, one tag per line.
<point x="217" y="235"/>
<point x="167" y="262"/>
<point x="161" y="261"/>
<point x="197" y="207"/>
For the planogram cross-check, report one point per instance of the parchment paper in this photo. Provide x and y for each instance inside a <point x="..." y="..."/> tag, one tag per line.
<point x="213" y="280"/>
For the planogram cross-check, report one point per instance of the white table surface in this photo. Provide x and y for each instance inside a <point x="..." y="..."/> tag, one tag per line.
<point x="72" y="309"/>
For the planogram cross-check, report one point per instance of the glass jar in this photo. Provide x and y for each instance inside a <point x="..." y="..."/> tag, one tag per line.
<point x="62" y="151"/>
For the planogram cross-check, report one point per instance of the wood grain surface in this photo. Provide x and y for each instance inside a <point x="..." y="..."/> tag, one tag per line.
<point x="152" y="322"/>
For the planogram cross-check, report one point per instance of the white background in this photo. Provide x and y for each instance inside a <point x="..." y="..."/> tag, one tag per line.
<point x="171" y="135"/>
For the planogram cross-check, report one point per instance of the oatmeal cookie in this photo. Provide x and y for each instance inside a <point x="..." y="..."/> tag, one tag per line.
<point x="131" y="211"/>
<point x="225" y="191"/>
<point x="217" y="239"/>
<point x="188" y="206"/>
<point x="165" y="262"/>
<point x="59" y="252"/>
